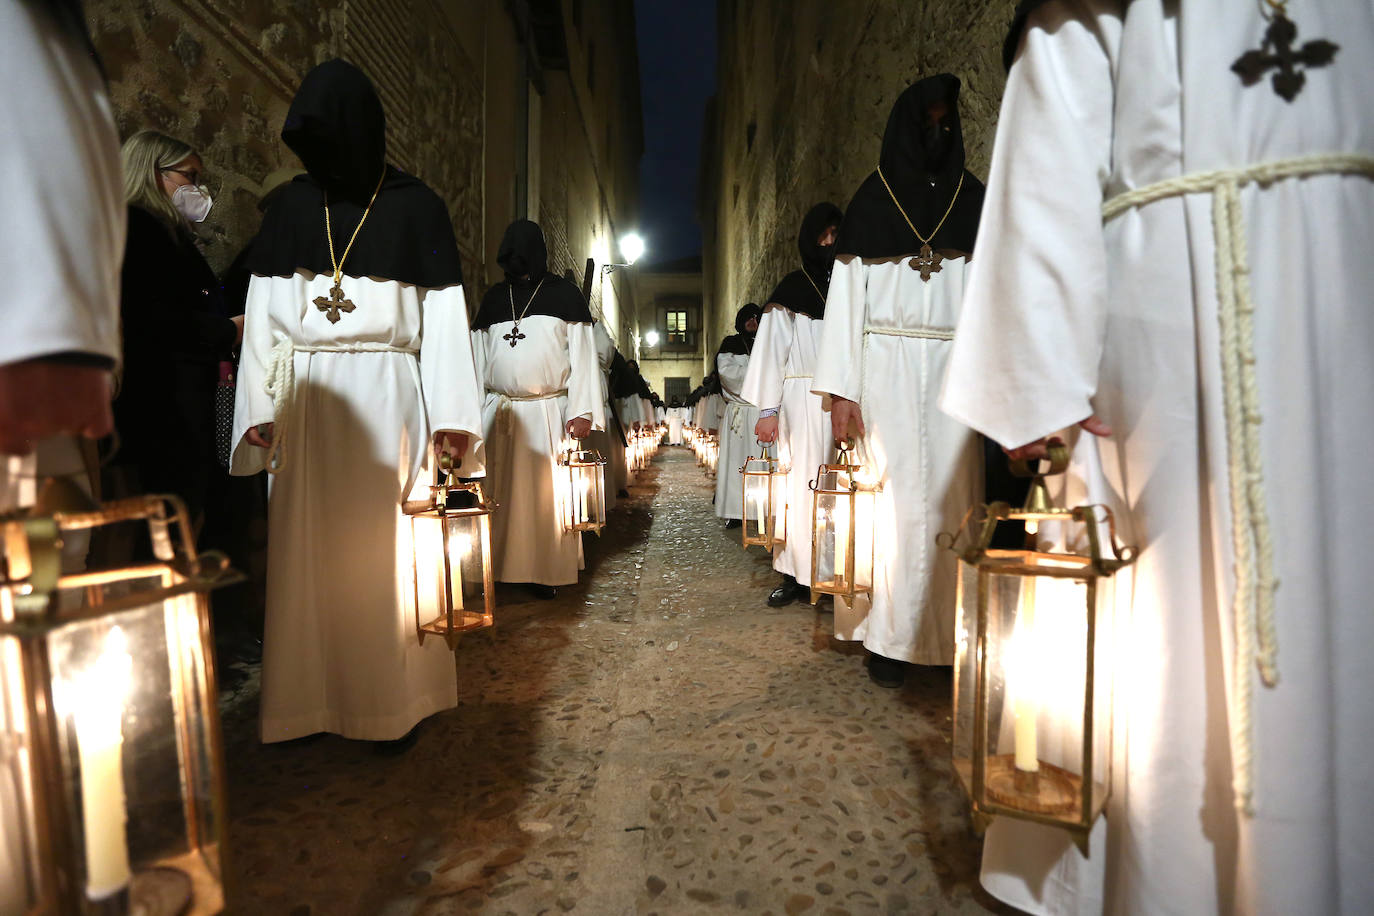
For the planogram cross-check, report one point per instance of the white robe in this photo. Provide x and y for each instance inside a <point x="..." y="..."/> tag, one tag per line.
<point x="780" y="373"/>
<point x="737" y="438"/>
<point x="675" y="423"/>
<point x="1066" y="317"/>
<point x="608" y="441"/>
<point x="340" y="651"/>
<point x="533" y="389"/>
<point x="61" y="249"/>
<point x="930" y="466"/>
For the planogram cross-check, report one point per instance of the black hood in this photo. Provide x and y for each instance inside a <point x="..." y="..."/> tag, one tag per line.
<point x="744" y="315"/>
<point x="523" y="252"/>
<point x="815" y="257"/>
<point x="803" y="291"/>
<point x="338" y="129"/>
<point x="741" y="344"/>
<point x="922" y="161"/>
<point x="335" y="125"/>
<point x="529" y="287"/>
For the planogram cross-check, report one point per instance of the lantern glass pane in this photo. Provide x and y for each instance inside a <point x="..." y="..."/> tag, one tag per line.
<point x="832" y="534"/>
<point x="1037" y="690"/>
<point x="779" y="485"/>
<point x="19" y="856"/>
<point x="430" y="582"/>
<point x="137" y="731"/>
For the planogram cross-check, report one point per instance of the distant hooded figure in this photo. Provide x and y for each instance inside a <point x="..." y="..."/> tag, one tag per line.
<point x="779" y="384"/>
<point x="538" y="359"/>
<point x="737" y="426"/>
<point x="894" y="298"/>
<point x="357" y="367"/>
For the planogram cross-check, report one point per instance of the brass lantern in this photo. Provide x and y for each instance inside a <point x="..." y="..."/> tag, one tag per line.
<point x="583" y="490"/>
<point x="455" y="588"/>
<point x="712" y="455"/>
<point x="842" y="511"/>
<point x="1032" y="667"/>
<point x="111" y="764"/>
<point x="760" y="519"/>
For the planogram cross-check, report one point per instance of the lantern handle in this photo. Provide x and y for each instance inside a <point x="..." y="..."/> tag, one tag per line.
<point x="950" y="541"/>
<point x="1124" y="553"/>
<point x="1058" y="458"/>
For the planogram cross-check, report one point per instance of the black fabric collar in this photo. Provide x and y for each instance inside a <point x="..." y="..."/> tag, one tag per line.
<point x="803" y="292"/>
<point x="407" y="237"/>
<point x="558" y="298"/>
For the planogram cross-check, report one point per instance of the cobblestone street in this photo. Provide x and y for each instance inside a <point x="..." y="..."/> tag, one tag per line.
<point x="655" y="740"/>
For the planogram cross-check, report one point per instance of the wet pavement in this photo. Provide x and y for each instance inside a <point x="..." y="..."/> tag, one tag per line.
<point x="654" y="740"/>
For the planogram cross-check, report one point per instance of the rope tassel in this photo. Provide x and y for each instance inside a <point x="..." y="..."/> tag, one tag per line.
<point x="1252" y="542"/>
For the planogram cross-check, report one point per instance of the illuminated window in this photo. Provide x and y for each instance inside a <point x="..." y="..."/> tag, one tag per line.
<point x="676" y="325"/>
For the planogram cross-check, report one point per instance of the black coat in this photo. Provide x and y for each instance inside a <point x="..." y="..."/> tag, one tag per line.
<point x="176" y="333"/>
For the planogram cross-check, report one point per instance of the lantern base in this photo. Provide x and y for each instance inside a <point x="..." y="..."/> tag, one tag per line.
<point x="1052" y="790"/>
<point x="463" y="622"/>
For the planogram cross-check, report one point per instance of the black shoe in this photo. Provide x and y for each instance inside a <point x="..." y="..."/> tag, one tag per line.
<point x="399" y="746"/>
<point x="732" y="523"/>
<point x="786" y="593"/>
<point x="886" y="672"/>
<point x="542" y="592"/>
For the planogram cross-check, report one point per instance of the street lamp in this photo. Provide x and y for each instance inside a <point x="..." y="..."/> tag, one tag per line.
<point x="631" y="247"/>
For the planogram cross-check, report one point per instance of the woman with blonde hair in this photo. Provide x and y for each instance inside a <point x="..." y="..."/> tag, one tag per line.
<point x="176" y="332"/>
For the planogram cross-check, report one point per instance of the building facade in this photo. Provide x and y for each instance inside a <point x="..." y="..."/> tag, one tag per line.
<point x="508" y="110"/>
<point x="804" y="89"/>
<point x="673" y="345"/>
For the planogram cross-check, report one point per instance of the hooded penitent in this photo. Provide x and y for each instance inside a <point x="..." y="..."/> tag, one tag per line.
<point x="337" y="128"/>
<point x="922" y="161"/>
<point x="742" y="342"/>
<point x="804" y="290"/>
<point x="525" y="259"/>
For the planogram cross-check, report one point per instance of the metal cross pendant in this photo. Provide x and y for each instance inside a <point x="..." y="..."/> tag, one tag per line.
<point x="1277" y="51"/>
<point x="927" y="262"/>
<point x="335" y="304"/>
<point x="514" y="336"/>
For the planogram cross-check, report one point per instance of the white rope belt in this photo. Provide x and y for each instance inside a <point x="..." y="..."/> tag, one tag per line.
<point x="1252" y="540"/>
<point x="505" y="413"/>
<point x="786" y="377"/>
<point x="924" y="333"/>
<point x="280" y="384"/>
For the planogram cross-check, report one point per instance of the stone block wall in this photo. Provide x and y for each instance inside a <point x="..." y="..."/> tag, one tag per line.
<point x="804" y="90"/>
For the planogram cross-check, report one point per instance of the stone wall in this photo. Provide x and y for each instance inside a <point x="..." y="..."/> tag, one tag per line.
<point x="472" y="108"/>
<point x="804" y="91"/>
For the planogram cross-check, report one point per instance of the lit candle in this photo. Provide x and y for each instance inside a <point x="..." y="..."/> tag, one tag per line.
<point x="1025" y="708"/>
<point x="841" y="540"/>
<point x="98" y="700"/>
<point x="763" y="527"/>
<point x="582" y="498"/>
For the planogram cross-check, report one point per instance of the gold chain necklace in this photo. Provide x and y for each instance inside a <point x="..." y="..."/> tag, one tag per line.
<point x="927" y="261"/>
<point x="336" y="302"/>
<point x="515" y="336"/>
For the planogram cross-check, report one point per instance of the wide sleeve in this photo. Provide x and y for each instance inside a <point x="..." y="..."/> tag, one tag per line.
<point x="762" y="384"/>
<point x="62" y="238"/>
<point x="1024" y="363"/>
<point x="448" y="371"/>
<point x="252" y="403"/>
<point x="584" y="381"/>
<point x="733" y="367"/>
<point x="840" y="350"/>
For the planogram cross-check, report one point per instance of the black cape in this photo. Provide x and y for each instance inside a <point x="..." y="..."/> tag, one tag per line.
<point x="803" y="291"/>
<point x="741" y="343"/>
<point x="923" y="164"/>
<point x="337" y="128"/>
<point x="524" y="257"/>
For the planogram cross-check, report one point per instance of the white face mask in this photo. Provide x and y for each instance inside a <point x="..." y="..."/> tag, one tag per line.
<point x="193" y="202"/>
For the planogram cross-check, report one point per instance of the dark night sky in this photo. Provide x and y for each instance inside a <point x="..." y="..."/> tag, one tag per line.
<point x="677" y="68"/>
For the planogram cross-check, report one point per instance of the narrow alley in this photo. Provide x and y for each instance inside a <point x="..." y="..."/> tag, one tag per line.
<point x="655" y="740"/>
